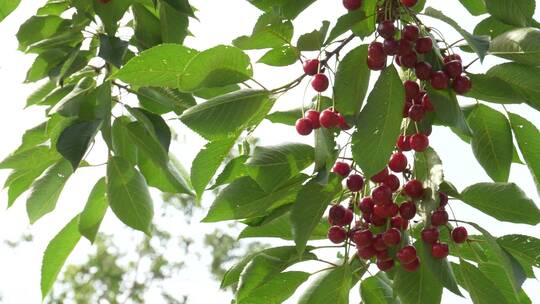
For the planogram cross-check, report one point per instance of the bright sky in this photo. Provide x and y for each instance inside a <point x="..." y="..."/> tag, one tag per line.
<point x="219" y="23"/>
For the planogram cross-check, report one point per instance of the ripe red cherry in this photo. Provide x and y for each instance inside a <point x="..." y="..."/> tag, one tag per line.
<point x="386" y="29"/>
<point x="430" y="235"/>
<point x="329" y="119"/>
<point x="405" y="47"/>
<point x="377" y="221"/>
<point x="460" y="235"/>
<point x="379" y="177"/>
<point x="336" y="214"/>
<point x="407" y="210"/>
<point x="392" y="182"/>
<point x="462" y="84"/>
<point x="403" y="143"/>
<point x="411" y="32"/>
<point x="383" y="256"/>
<point x="398" y="162"/>
<point x="366" y="205"/>
<point x="439" y="250"/>
<point x="408" y="60"/>
<point x="439" y="80"/>
<point x="414" y="188"/>
<point x="423" y="70"/>
<point x="453" y="69"/>
<point x="304" y="126"/>
<point x="352" y="4"/>
<point x="311" y="66"/>
<point x="406" y="108"/>
<point x="412" y="266"/>
<point x="320" y="82"/>
<point x="342" y="122"/>
<point x="424" y="45"/>
<point x="417" y="112"/>
<point x="443" y="199"/>
<point x="419" y="142"/>
<point x="412" y="89"/>
<point x="449" y="58"/>
<point x="385" y="211"/>
<point x="379" y="244"/>
<point x="409" y="3"/>
<point x="376" y="51"/>
<point x="363" y="238"/>
<point x="366" y="253"/>
<point x="399" y="223"/>
<point x="385" y="265"/>
<point x="391" y="237"/>
<point x="337" y="234"/>
<point x="390" y="47"/>
<point x="355" y="182"/>
<point x="426" y="103"/>
<point x="382" y="195"/>
<point x="314" y="117"/>
<point x="341" y="168"/>
<point x="375" y="65"/>
<point x="439" y="218"/>
<point x="406" y="255"/>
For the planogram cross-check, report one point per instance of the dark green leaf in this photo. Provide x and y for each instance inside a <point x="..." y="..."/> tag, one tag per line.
<point x="491" y="27"/>
<point x="75" y="140"/>
<point x="281" y="56"/>
<point x="270" y="31"/>
<point x="447" y="109"/>
<point x="493" y="89"/>
<point x="147" y="29"/>
<point x="325" y="149"/>
<point x="525" y="249"/>
<point x="352" y="80"/>
<point x="182" y="6"/>
<point x="94" y="211"/>
<point x="289" y="9"/>
<point x="522" y="78"/>
<point x="314" y="40"/>
<point x="440" y="268"/>
<point x="353" y="20"/>
<point x="121" y="142"/>
<point x="527" y="136"/>
<point x="377" y="290"/>
<point x="496" y="274"/>
<point x="331" y="287"/>
<point x="167" y="178"/>
<point x="234" y="169"/>
<point x="163" y="100"/>
<point x="111" y="12"/>
<point x="520" y="45"/>
<point x="417" y="287"/>
<point x="174" y="24"/>
<point x="514" y="12"/>
<point x="38" y="28"/>
<point x="276" y="289"/>
<point x="480" y="288"/>
<point x="281" y="227"/>
<point x="112" y="49"/>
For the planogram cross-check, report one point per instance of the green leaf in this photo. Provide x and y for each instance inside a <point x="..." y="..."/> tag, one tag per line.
<point x="417" y="287"/>
<point x="309" y="207"/>
<point x="504" y="201"/>
<point x="94" y="211"/>
<point x="75" y="140"/>
<point x="514" y="12"/>
<point x="491" y="27"/>
<point x="111" y="12"/>
<point x="475" y="7"/>
<point x="379" y="123"/>
<point x="377" y="290"/>
<point x="147" y="143"/>
<point x="46" y="190"/>
<point x="7" y="7"/>
<point x="174" y="24"/>
<point x="480" y="288"/>
<point x="270" y="31"/>
<point x="281" y="56"/>
<point x="160" y="66"/>
<point x="26" y="159"/>
<point x="273" y="166"/>
<point x="128" y="195"/>
<point x="527" y="135"/>
<point x="207" y="162"/>
<point x="353" y="20"/>
<point x="147" y="27"/>
<point x="428" y="168"/>
<point x="86" y="102"/>
<point x="182" y="6"/>
<point x="56" y="254"/>
<point x="496" y="273"/>
<point x="234" y="169"/>
<point x="440" y="268"/>
<point x="491" y="141"/>
<point x="112" y="49"/>
<point x="522" y="78"/>
<point x="523" y="248"/>
<point x="276" y="289"/>
<point x="216" y="67"/>
<point x="281" y="227"/>
<point x="38" y="28"/>
<point x="493" y="89"/>
<point x="520" y="45"/>
<point x="325" y="149"/>
<point x="288" y="9"/>
<point x="447" y="110"/>
<point x="479" y="44"/>
<point x="331" y="287"/>
<point x="46" y="65"/>
<point x="227" y="115"/>
<point x="164" y="100"/>
<point x="314" y="40"/>
<point x="121" y="142"/>
<point x="352" y="80"/>
<point x="167" y="177"/>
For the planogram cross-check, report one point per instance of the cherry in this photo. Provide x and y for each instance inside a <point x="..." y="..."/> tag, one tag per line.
<point x="392" y="182"/>
<point x="398" y="61"/>
<point x="408" y="60"/>
<point x="336" y="214"/>
<point x="411" y="32"/>
<point x="320" y="82"/>
<point x="379" y="244"/>
<point x="382" y="195"/>
<point x="403" y="143"/>
<point x="379" y="177"/>
<point x="406" y="108"/>
<point x="449" y="58"/>
<point x="409" y="3"/>
<point x="311" y="66"/>
<point x="439" y="250"/>
<point x="398" y="162"/>
<point x="342" y="169"/>
<point x="462" y="84"/>
<point x="460" y="235"/>
<point x="385" y="265"/>
<point x="406" y="255"/>
<point x="443" y="199"/>
<point x="386" y="29"/>
<point x="352" y="4"/>
<point x="417" y="112"/>
<point x="376" y="51"/>
<point x="439" y="80"/>
<point x="430" y="235"/>
<point x="363" y="238"/>
<point x="385" y="211"/>
<point x="439" y="218"/>
<point x="426" y="103"/>
<point x="366" y="205"/>
<point x="399" y="223"/>
<point x="304" y="126"/>
<point x="423" y="70"/>
<point x="414" y="188"/>
<point x="390" y="47"/>
<point x="329" y="119"/>
<point x="366" y="253"/>
<point x="405" y="47"/>
<point x="375" y="65"/>
<point x="383" y="256"/>
<point x="412" y="266"/>
<point x="337" y="234"/>
<point x="419" y="142"/>
<point x="347" y="218"/>
<point x="314" y="117"/>
<point x="355" y="182"/>
<point x="424" y="45"/>
<point x="342" y="122"/>
<point x="377" y="221"/>
<point x="453" y="69"/>
<point x="391" y="237"/>
<point x="412" y="89"/>
<point x="407" y="210"/>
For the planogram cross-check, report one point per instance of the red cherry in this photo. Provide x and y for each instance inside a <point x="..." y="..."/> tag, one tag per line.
<point x="443" y="199"/>
<point x="406" y="255"/>
<point x="399" y="223"/>
<point x="304" y="126"/>
<point x="355" y="182"/>
<point x="363" y="238"/>
<point x="375" y="65"/>
<point x="417" y="112"/>
<point x="392" y="182"/>
<point x="342" y="122"/>
<point x="407" y="210"/>
<point x="366" y="253"/>
<point x="403" y="143"/>
<point x="384" y="211"/>
<point x="439" y="218"/>
<point x="314" y="117"/>
<point x="337" y="234"/>
<point x="382" y="195"/>
<point x="406" y="108"/>
<point x="439" y="80"/>
<point x="439" y="250"/>
<point x="426" y="103"/>
<point x="411" y="32"/>
<point x="377" y="221"/>
<point x="408" y="60"/>
<point x="385" y="265"/>
<point x="460" y="235"/>
<point x="352" y="4"/>
<point x="398" y="162"/>
<point x="391" y="237"/>
<point x="405" y="47"/>
<point x="430" y="235"/>
<point x="341" y="168"/>
<point x="376" y="51"/>
<point x="412" y="266"/>
<point x="412" y="89"/>
<point x="379" y="177"/>
<point x="462" y="84"/>
<point x="383" y="256"/>
<point x="453" y="69"/>
<point x="366" y="205"/>
<point x="423" y="70"/>
<point x="424" y="45"/>
<point x="329" y="119"/>
<point x="386" y="29"/>
<point x="311" y="66"/>
<point x="398" y="61"/>
<point x="409" y="3"/>
<point x="414" y="188"/>
<point x="379" y="244"/>
<point x="336" y="214"/>
<point x="347" y="218"/>
<point x="320" y="82"/>
<point x="390" y="47"/>
<point x="419" y="142"/>
<point x="452" y="57"/>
